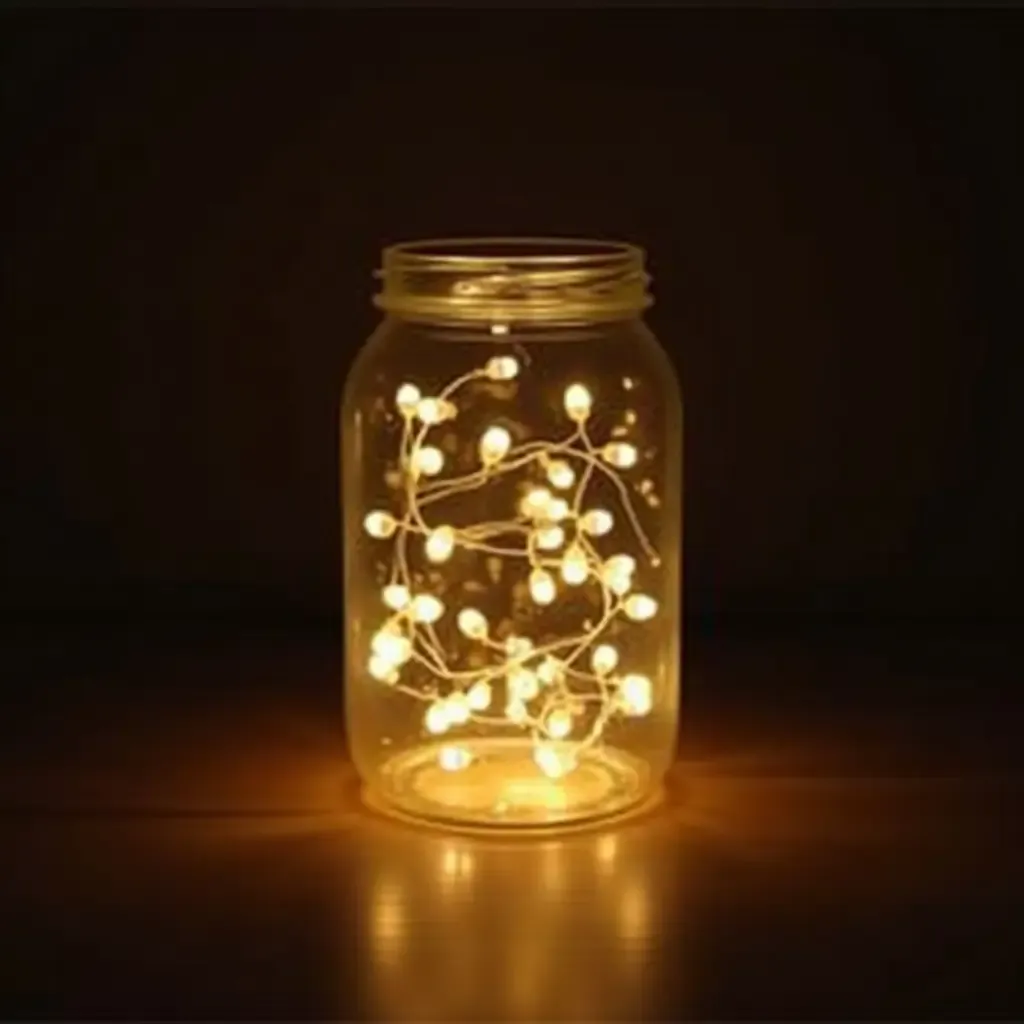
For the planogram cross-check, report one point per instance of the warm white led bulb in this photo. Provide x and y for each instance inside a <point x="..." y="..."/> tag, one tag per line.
<point x="380" y="524"/>
<point x="407" y="398"/>
<point x="535" y="504"/>
<point x="472" y="623"/>
<point x="429" y="410"/>
<point x="558" y="724"/>
<point x="621" y="563"/>
<point x="479" y="696"/>
<point x="619" y="583"/>
<point x="640" y="607"/>
<point x="557" y="510"/>
<point x="550" y="671"/>
<point x="542" y="586"/>
<point x="604" y="659"/>
<point x="617" y="573"/>
<point x="454" y="759"/>
<point x="523" y="684"/>
<point x="635" y="695"/>
<point x="574" y="566"/>
<point x="426" y="608"/>
<point x="553" y="763"/>
<point x="518" y="646"/>
<point x="560" y="474"/>
<point x="382" y="669"/>
<point x="597" y="522"/>
<point x="440" y="544"/>
<point x="515" y="712"/>
<point x="396" y="597"/>
<point x="577" y="402"/>
<point x="458" y="709"/>
<point x="428" y="461"/>
<point x="494" y="445"/>
<point x="550" y="537"/>
<point x="436" y="719"/>
<point x="501" y="367"/>
<point x="619" y="454"/>
<point x="392" y="647"/>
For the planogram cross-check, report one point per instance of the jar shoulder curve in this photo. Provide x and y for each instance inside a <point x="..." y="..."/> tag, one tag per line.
<point x="652" y="357"/>
<point x="656" y="353"/>
<point x="420" y="347"/>
<point x="369" y="354"/>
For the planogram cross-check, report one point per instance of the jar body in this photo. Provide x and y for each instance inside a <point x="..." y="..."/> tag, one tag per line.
<point x="512" y="561"/>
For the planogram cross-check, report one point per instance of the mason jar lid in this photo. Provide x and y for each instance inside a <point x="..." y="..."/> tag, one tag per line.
<point x="534" y="280"/>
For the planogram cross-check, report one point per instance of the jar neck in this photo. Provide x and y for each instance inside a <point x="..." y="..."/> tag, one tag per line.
<point x="505" y="281"/>
<point x="437" y="330"/>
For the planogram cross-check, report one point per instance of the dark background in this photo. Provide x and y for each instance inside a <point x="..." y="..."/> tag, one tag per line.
<point x="192" y="208"/>
<point x="193" y="205"/>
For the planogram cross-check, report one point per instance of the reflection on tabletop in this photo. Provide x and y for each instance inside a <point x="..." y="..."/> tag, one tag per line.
<point x="537" y="928"/>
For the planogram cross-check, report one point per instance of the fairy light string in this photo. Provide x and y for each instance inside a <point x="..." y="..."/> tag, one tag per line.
<point x="549" y="691"/>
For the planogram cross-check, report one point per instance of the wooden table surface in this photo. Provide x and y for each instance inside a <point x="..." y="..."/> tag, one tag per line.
<point x="183" y="839"/>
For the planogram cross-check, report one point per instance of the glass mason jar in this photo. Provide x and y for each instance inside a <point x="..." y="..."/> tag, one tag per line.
<point x="511" y="490"/>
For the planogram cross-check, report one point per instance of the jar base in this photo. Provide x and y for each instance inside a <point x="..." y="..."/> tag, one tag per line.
<point x="503" y="789"/>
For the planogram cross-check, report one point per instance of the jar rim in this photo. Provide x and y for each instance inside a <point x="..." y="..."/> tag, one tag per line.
<point x="499" y="250"/>
<point x="533" y="279"/>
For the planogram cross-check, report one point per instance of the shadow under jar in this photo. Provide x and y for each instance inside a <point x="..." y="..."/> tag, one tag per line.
<point x="511" y="491"/>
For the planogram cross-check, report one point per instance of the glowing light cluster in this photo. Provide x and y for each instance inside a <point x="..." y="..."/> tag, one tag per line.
<point x="564" y="690"/>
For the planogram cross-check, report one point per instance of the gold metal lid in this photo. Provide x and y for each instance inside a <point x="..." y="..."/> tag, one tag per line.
<point x="533" y="280"/>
